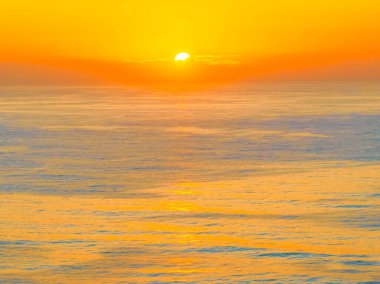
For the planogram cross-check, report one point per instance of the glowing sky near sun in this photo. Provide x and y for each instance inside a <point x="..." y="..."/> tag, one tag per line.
<point x="247" y="30"/>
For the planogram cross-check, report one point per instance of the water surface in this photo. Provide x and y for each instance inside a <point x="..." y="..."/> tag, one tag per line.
<point x="273" y="183"/>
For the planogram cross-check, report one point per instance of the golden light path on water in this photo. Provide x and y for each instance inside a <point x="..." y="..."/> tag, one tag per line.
<point x="251" y="183"/>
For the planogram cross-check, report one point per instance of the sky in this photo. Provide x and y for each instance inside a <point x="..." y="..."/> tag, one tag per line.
<point x="226" y="39"/>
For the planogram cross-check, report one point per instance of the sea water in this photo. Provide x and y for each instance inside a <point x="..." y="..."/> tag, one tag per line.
<point x="270" y="182"/>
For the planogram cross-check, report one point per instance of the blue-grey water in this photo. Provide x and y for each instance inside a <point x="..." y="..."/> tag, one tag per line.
<point x="276" y="183"/>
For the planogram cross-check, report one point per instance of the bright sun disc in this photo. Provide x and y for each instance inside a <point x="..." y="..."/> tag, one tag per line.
<point x="182" y="56"/>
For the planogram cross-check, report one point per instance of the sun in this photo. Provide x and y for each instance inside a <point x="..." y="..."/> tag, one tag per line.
<point x="182" y="56"/>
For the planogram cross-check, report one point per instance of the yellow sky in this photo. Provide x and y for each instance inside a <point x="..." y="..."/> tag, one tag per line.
<point x="117" y="30"/>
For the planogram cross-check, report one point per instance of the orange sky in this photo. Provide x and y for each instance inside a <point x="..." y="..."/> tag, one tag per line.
<point x="243" y="38"/>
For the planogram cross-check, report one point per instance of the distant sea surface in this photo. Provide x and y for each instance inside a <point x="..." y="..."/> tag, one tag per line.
<point x="251" y="183"/>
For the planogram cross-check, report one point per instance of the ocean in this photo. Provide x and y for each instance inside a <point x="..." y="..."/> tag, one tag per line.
<point x="249" y="183"/>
